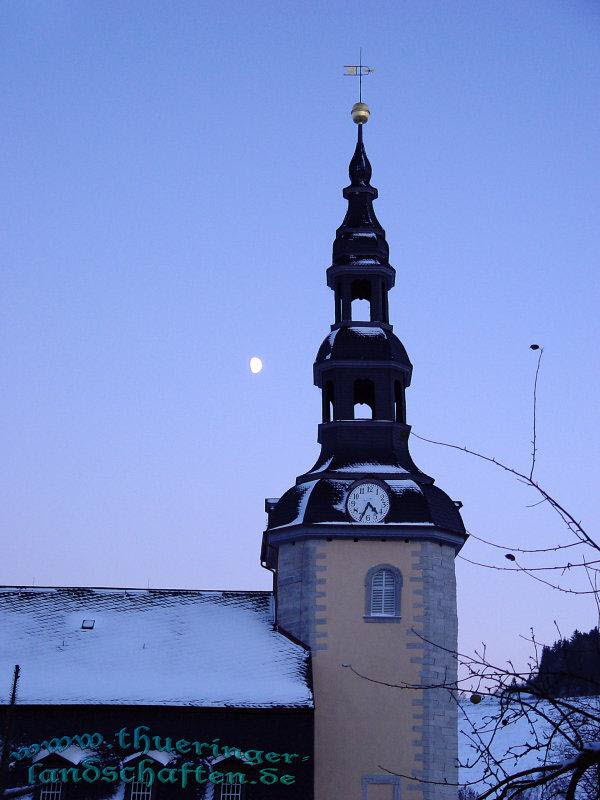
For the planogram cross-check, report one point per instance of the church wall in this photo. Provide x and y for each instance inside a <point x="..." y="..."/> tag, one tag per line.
<point x="300" y="591"/>
<point x="438" y="624"/>
<point x="362" y="727"/>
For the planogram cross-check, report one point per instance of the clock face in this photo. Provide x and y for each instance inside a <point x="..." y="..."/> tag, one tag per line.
<point x="368" y="503"/>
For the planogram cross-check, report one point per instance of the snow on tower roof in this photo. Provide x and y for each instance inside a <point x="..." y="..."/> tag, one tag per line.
<point x="165" y="647"/>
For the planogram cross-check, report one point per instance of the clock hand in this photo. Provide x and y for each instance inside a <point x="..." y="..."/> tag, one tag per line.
<point x="374" y="510"/>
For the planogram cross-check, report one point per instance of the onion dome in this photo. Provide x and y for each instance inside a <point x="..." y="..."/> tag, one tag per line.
<point x="363" y="343"/>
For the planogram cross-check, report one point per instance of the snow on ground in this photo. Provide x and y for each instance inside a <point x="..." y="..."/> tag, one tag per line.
<point x="514" y="735"/>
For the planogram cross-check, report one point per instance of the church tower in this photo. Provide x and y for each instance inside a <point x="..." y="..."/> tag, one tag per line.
<point x="362" y="547"/>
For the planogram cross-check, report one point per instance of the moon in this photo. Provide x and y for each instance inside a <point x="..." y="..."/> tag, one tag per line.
<point x="256" y="365"/>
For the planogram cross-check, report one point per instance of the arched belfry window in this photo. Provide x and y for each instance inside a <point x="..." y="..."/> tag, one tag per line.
<point x="328" y="401"/>
<point x="360" y="294"/>
<point x="364" y="399"/>
<point x="383" y="586"/>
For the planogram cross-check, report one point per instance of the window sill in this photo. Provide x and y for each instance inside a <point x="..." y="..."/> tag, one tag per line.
<point x="382" y="619"/>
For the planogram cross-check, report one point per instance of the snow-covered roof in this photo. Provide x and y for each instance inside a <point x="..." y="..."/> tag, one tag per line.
<point x="323" y="501"/>
<point x="148" y="647"/>
<point x="364" y="342"/>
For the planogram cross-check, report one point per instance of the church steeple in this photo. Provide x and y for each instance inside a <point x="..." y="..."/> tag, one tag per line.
<point x="363" y="371"/>
<point x="360" y="239"/>
<point x="360" y="266"/>
<point x="365" y="537"/>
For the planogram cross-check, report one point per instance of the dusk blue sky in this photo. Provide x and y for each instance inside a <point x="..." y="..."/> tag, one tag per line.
<point x="172" y="177"/>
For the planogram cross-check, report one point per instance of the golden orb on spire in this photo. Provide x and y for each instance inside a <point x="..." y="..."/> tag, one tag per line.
<point x="360" y="113"/>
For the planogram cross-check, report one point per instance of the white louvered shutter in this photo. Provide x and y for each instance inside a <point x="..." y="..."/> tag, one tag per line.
<point x="383" y="594"/>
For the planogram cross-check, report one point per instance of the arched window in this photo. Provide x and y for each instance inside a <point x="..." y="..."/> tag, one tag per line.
<point x="362" y="411"/>
<point x="383" y="594"/>
<point x="360" y="294"/>
<point x="383" y="585"/>
<point x="361" y="310"/>
<point x="364" y="399"/>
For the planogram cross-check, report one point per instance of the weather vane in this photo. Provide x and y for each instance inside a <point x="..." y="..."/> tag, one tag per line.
<point x="358" y="70"/>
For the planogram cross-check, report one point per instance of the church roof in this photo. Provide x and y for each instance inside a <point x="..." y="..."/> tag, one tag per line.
<point x="165" y="647"/>
<point x="360" y="239"/>
<point x="366" y="342"/>
<point x="322" y="501"/>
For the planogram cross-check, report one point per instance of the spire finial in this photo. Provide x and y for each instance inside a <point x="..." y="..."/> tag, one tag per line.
<point x="360" y="111"/>
<point x="360" y="167"/>
<point x="360" y="76"/>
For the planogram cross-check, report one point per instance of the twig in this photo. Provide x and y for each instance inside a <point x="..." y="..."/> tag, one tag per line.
<point x="534" y="440"/>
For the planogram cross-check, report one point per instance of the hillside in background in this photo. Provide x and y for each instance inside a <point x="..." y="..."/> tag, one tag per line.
<point x="571" y="667"/>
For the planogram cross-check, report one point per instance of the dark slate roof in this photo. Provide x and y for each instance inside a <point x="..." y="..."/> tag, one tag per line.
<point x="360" y="238"/>
<point x="149" y="647"/>
<point x="323" y="501"/>
<point x="363" y="342"/>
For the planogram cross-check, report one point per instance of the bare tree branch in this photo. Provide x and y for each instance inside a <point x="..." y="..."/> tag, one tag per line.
<point x="534" y="440"/>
